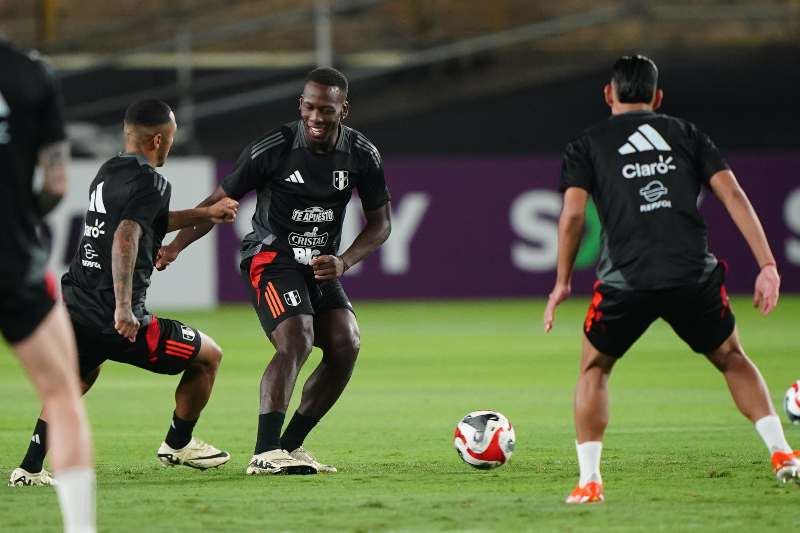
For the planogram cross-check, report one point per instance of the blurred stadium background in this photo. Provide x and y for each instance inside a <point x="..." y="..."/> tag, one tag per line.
<point x="469" y="101"/>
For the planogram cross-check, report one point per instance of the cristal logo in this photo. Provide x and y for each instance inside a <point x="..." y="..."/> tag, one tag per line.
<point x="637" y="170"/>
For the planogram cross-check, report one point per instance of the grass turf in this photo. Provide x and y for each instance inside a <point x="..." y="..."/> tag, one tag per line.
<point x="678" y="456"/>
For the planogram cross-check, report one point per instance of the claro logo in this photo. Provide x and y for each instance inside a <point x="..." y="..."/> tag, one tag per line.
<point x="643" y="170"/>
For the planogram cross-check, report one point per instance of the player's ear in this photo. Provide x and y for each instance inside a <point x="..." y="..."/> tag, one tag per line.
<point x="300" y="101"/>
<point x="156" y="140"/>
<point x="657" y="98"/>
<point x="608" y="94"/>
<point x="345" y="109"/>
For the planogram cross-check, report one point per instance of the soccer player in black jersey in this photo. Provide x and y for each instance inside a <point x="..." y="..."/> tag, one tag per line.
<point x="304" y="173"/>
<point x="645" y="171"/>
<point x="106" y="284"/>
<point x="36" y="326"/>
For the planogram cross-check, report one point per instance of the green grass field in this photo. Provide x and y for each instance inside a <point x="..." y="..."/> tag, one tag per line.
<point x="678" y="456"/>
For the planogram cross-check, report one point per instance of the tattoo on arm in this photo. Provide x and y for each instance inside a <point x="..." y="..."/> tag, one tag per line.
<point x="54" y="160"/>
<point x="123" y="259"/>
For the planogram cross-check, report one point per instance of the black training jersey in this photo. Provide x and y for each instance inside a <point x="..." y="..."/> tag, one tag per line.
<point x="126" y="187"/>
<point x="31" y="117"/>
<point x="302" y="195"/>
<point x="645" y="171"/>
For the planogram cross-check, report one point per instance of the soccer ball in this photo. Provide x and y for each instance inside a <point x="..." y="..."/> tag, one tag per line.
<point x="791" y="403"/>
<point x="484" y="439"/>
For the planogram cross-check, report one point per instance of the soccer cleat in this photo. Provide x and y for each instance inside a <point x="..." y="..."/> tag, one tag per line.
<point x="278" y="462"/>
<point x="592" y="492"/>
<point x="786" y="466"/>
<point x="196" y="454"/>
<point x="301" y="454"/>
<point x="22" y="478"/>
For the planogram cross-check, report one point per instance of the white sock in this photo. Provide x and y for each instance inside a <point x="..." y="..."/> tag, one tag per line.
<point x="76" y="496"/>
<point x="589" y="461"/>
<point x="771" y="433"/>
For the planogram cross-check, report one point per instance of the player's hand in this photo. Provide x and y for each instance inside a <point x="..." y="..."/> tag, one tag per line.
<point x="223" y="211"/>
<point x="126" y="323"/>
<point x="768" y="284"/>
<point x="327" y="267"/>
<point x="560" y="293"/>
<point x="166" y="256"/>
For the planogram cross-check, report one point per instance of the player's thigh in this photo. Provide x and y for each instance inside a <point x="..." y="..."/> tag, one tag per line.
<point x="48" y="356"/>
<point x="163" y="346"/>
<point x="617" y="318"/>
<point x="210" y="353"/>
<point x="701" y="315"/>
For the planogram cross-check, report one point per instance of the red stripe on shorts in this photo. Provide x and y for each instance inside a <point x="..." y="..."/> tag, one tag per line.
<point x="593" y="315"/>
<point x="152" y="336"/>
<point x="257" y="265"/>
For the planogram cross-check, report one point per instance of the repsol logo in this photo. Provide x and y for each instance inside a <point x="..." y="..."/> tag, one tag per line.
<point x="643" y="170"/>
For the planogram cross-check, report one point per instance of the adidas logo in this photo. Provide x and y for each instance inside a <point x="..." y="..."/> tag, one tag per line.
<point x="645" y="138"/>
<point x="295" y="177"/>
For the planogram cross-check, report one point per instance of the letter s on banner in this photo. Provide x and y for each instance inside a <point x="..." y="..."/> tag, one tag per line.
<point x="534" y="218"/>
<point x="791" y="215"/>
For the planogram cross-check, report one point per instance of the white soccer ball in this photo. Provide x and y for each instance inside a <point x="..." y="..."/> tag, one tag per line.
<point x="484" y="439"/>
<point x="791" y="403"/>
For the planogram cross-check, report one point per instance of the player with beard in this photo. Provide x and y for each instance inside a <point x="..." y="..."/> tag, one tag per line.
<point x="645" y="171"/>
<point x="106" y="286"/>
<point x="303" y="173"/>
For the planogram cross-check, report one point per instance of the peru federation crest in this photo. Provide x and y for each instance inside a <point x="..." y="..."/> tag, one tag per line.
<point x="340" y="179"/>
<point x="292" y="298"/>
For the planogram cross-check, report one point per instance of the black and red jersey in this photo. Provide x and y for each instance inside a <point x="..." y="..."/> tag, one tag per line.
<point x="31" y="117"/>
<point x="302" y="195"/>
<point x="126" y="187"/>
<point x="645" y="172"/>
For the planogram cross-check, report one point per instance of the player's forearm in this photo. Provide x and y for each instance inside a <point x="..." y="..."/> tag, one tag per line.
<point x="744" y="216"/>
<point x="194" y="231"/>
<point x="371" y="237"/>
<point x="189" y="217"/>
<point x="570" y="228"/>
<point x="123" y="260"/>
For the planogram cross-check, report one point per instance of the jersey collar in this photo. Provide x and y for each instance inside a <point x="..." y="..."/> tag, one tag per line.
<point x="342" y="143"/>
<point x="139" y="157"/>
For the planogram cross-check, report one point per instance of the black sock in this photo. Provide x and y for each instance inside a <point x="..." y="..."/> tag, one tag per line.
<point x="37" y="449"/>
<point x="180" y="432"/>
<point x="297" y="431"/>
<point x="269" y="431"/>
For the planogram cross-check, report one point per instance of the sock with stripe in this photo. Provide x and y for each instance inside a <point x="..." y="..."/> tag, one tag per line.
<point x="37" y="448"/>
<point x="269" y="431"/>
<point x="180" y="432"/>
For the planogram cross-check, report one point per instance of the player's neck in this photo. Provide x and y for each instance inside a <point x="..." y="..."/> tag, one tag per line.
<point x="619" y="107"/>
<point x="151" y="157"/>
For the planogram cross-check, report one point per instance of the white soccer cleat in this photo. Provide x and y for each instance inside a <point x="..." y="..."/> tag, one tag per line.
<point x="301" y="454"/>
<point x="196" y="454"/>
<point x="22" y="478"/>
<point x="278" y="462"/>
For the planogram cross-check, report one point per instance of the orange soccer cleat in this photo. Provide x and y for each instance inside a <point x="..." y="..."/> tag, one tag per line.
<point x="786" y="466"/>
<point x="592" y="492"/>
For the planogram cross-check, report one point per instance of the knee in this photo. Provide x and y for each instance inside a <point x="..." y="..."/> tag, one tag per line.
<point x="210" y="356"/>
<point x="343" y="348"/>
<point x="729" y="358"/>
<point x="296" y="345"/>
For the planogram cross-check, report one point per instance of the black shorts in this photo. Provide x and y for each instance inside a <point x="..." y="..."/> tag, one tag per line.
<point x="280" y="288"/>
<point x="24" y="305"/>
<point x="162" y="346"/>
<point x="700" y="315"/>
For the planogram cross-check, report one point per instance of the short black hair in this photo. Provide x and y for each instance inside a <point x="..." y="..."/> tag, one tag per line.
<point x="328" y="76"/>
<point x="148" y="112"/>
<point x="635" y="78"/>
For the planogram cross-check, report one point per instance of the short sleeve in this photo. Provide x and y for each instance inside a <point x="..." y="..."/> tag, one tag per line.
<point x="708" y="159"/>
<point x="149" y="194"/>
<point x="51" y="109"/>
<point x="250" y="173"/>
<point x="576" y="166"/>
<point x="372" y="187"/>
